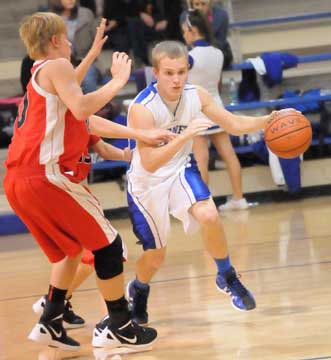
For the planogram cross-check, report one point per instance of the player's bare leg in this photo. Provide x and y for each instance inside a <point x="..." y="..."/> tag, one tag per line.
<point x="82" y="273"/>
<point x="227" y="281"/>
<point x="138" y="290"/>
<point x="223" y="145"/>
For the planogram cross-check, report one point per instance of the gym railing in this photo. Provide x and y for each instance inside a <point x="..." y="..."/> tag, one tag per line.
<point x="279" y="20"/>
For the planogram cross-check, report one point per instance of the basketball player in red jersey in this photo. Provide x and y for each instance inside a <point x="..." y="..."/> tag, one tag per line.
<point x="86" y="266"/>
<point x="50" y="135"/>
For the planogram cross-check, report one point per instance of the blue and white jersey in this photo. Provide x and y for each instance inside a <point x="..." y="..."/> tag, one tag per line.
<point x="188" y="109"/>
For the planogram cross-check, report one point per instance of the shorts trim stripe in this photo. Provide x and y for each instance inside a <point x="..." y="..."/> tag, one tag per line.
<point x="141" y="226"/>
<point x="83" y="197"/>
<point x="142" y="210"/>
<point x="182" y="179"/>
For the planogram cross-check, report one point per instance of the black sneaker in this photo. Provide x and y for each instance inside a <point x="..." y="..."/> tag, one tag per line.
<point x="52" y="333"/>
<point x="130" y="335"/>
<point x="137" y="299"/>
<point x="100" y="326"/>
<point x="70" y="319"/>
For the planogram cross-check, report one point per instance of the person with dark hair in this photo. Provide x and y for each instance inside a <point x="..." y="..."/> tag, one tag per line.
<point x="206" y="62"/>
<point x="219" y="21"/>
<point x="81" y="25"/>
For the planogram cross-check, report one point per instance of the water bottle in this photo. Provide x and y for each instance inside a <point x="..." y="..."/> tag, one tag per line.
<point x="233" y="91"/>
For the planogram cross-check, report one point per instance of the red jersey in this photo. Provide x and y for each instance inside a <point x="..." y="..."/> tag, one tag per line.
<point x="84" y="163"/>
<point x="46" y="133"/>
<point x="47" y="159"/>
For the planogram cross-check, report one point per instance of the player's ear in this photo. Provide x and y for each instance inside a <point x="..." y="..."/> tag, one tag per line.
<point x="155" y="72"/>
<point x="55" y="41"/>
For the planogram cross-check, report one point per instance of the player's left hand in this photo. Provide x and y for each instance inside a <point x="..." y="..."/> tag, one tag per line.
<point x="155" y="136"/>
<point x="99" y="39"/>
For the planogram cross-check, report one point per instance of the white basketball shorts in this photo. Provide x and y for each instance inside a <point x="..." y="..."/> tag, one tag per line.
<point x="150" y="208"/>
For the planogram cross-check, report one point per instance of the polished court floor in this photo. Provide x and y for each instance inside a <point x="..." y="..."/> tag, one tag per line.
<point x="282" y="250"/>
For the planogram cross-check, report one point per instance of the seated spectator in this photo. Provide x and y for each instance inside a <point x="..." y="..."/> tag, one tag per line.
<point x="146" y="24"/>
<point x="172" y="10"/>
<point x="115" y="12"/>
<point x="81" y="27"/>
<point x="90" y="4"/>
<point x="219" y="20"/>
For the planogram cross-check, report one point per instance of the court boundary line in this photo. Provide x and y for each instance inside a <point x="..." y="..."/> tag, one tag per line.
<point x="326" y="262"/>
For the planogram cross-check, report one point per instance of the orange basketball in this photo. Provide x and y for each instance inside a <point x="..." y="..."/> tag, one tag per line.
<point x="289" y="134"/>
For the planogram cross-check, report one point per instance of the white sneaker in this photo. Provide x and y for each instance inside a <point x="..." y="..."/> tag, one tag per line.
<point x="233" y="204"/>
<point x="39" y="305"/>
<point x="129" y="335"/>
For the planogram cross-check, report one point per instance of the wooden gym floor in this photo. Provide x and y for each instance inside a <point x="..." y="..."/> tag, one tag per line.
<point x="283" y="252"/>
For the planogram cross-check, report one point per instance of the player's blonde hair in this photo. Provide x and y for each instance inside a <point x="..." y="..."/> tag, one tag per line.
<point x="37" y="30"/>
<point x="171" y="49"/>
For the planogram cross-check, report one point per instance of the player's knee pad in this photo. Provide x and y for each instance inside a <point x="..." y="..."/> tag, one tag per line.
<point x="108" y="261"/>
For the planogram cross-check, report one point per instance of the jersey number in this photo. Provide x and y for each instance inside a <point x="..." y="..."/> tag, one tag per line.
<point x="22" y="111"/>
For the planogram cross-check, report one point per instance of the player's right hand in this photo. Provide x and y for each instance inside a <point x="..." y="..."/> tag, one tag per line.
<point x="121" y="67"/>
<point x="197" y="127"/>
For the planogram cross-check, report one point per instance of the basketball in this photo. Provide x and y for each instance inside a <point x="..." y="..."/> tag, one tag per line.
<point x="289" y="134"/>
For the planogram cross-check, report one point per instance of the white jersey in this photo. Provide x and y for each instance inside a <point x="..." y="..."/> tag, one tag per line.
<point x="206" y="63"/>
<point x="189" y="108"/>
<point x="206" y="68"/>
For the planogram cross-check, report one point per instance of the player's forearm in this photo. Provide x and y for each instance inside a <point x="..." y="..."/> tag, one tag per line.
<point x="247" y="124"/>
<point x="92" y="102"/>
<point x="106" y="128"/>
<point x="110" y="152"/>
<point x="237" y="125"/>
<point x="154" y="158"/>
<point x="82" y="68"/>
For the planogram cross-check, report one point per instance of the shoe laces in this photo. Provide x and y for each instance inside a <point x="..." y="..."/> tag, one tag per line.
<point x="137" y="328"/>
<point x="236" y="286"/>
<point x="68" y="308"/>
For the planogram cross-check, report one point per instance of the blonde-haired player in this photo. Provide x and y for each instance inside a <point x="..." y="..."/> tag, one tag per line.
<point x="165" y="180"/>
<point x="51" y="133"/>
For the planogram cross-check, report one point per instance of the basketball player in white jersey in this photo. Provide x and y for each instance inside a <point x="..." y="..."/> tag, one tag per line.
<point x="165" y="180"/>
<point x="206" y="64"/>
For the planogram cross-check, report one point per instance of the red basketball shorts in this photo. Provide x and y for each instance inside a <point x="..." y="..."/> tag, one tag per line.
<point x="64" y="217"/>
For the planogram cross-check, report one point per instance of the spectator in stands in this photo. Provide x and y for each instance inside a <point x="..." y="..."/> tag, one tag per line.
<point x="206" y="62"/>
<point x="219" y="20"/>
<point x="117" y="28"/>
<point x="90" y="4"/>
<point x="147" y="23"/>
<point x="81" y="27"/>
<point x="172" y="10"/>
